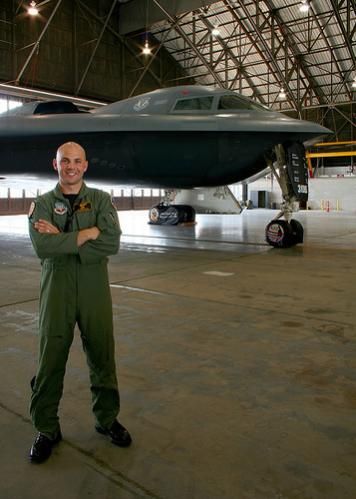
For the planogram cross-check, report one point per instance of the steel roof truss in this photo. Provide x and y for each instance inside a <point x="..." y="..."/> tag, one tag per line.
<point x="37" y="43"/>
<point x="118" y="36"/>
<point x="273" y="64"/>
<point x="345" y="32"/>
<point x="248" y="35"/>
<point x="189" y="43"/>
<point x="149" y="63"/>
<point x="292" y="48"/>
<point x="222" y="52"/>
<point x="346" y="117"/>
<point x="331" y="51"/>
<point x="103" y="29"/>
<point x="229" y="54"/>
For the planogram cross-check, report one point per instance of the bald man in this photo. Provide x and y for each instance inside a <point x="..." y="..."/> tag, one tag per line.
<point x="73" y="230"/>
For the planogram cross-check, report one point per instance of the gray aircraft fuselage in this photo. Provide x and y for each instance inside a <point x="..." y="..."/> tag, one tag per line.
<point x="180" y="137"/>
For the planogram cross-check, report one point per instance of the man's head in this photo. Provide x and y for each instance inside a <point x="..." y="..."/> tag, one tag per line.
<point x="71" y="164"/>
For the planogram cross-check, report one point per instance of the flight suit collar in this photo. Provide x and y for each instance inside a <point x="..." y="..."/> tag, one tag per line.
<point x="66" y="213"/>
<point x="81" y="194"/>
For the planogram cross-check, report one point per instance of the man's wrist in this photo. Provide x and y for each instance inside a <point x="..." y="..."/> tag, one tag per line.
<point x="86" y="235"/>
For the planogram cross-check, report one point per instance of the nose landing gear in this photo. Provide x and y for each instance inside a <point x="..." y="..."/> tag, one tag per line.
<point x="283" y="234"/>
<point x="289" y="167"/>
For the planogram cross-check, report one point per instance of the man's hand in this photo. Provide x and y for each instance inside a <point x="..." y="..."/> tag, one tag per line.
<point x="44" y="227"/>
<point x="85" y="235"/>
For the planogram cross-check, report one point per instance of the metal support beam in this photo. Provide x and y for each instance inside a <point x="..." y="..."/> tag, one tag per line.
<point x="13" y="42"/>
<point x="122" y="39"/>
<point x="279" y="74"/>
<point x="37" y="43"/>
<point x="153" y="56"/>
<point x="293" y="44"/>
<point x="74" y="45"/>
<point x="228" y="52"/>
<point x="347" y="40"/>
<point x="335" y="61"/>
<point x="222" y="53"/>
<point x="190" y="44"/>
<point x="113" y="5"/>
<point x="345" y="116"/>
<point x="271" y="64"/>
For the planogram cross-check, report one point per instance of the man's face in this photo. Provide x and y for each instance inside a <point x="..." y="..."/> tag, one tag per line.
<point x="71" y="164"/>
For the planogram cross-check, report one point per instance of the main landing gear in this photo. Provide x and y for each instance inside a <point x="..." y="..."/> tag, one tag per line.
<point x="289" y="167"/>
<point x="179" y="206"/>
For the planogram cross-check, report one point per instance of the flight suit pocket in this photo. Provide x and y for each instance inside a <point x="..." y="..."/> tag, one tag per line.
<point x="85" y="219"/>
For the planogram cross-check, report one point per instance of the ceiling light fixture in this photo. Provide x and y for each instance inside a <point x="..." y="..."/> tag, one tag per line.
<point x="215" y="31"/>
<point x="354" y="83"/>
<point x="146" y="49"/>
<point x="32" y="10"/>
<point x="282" y="94"/>
<point x="304" y="6"/>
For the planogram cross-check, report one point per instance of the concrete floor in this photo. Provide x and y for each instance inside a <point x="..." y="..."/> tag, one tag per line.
<point x="236" y="365"/>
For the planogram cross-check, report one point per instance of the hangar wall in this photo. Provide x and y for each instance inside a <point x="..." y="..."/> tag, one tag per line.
<point x="62" y="56"/>
<point x="325" y="193"/>
<point x="333" y="194"/>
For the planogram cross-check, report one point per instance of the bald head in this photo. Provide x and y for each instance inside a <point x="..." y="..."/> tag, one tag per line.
<point x="71" y="164"/>
<point x="74" y="147"/>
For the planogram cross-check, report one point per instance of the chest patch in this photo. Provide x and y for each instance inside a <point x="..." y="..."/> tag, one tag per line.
<point x="60" y="208"/>
<point x="82" y="207"/>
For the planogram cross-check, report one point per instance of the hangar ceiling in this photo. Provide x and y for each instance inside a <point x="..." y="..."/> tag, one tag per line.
<point x="263" y="46"/>
<point x="266" y="45"/>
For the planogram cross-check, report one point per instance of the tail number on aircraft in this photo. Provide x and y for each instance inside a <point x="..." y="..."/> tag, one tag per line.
<point x="302" y="189"/>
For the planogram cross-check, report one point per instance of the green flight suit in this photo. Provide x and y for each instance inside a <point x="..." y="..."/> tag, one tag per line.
<point x="75" y="289"/>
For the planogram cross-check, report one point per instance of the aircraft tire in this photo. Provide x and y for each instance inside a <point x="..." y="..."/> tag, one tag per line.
<point x="162" y="214"/>
<point x="186" y="213"/>
<point x="279" y="234"/>
<point x="298" y="231"/>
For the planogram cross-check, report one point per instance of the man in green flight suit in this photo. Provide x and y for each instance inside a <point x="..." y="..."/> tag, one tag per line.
<point x="73" y="230"/>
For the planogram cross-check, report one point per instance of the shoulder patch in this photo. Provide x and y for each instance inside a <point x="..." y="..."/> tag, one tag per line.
<point x="32" y="209"/>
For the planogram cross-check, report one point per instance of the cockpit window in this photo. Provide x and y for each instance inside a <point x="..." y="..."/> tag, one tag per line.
<point x="236" y="102"/>
<point x="198" y="103"/>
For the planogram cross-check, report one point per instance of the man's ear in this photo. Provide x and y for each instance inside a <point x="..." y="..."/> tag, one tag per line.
<point x="86" y="166"/>
<point x="54" y="163"/>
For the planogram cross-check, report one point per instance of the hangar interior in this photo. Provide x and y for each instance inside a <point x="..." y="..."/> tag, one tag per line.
<point x="296" y="57"/>
<point x="236" y="361"/>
